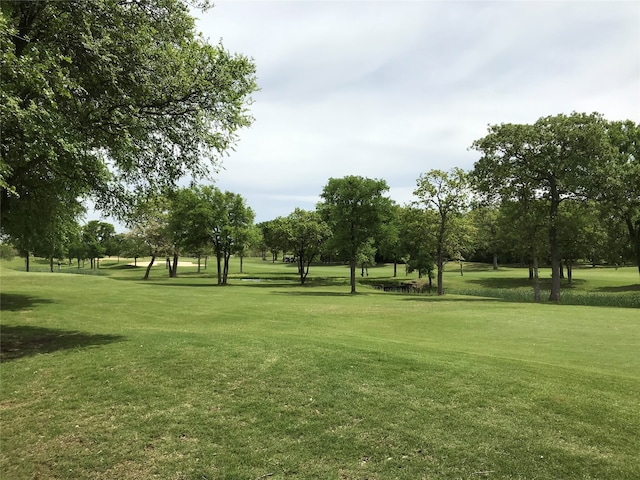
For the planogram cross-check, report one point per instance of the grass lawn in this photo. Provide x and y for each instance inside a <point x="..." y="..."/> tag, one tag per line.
<point x="109" y="377"/>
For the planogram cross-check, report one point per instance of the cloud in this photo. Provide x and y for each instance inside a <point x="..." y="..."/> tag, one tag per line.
<point x="393" y="89"/>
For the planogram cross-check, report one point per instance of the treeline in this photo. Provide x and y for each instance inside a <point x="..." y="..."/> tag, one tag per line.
<point x="563" y="190"/>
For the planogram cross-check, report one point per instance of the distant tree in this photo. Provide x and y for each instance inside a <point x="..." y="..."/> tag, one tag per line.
<point x="239" y="230"/>
<point x="188" y="223"/>
<point x="75" y="248"/>
<point x="253" y="240"/>
<point x="355" y="209"/>
<point x="275" y="235"/>
<point x="485" y="220"/>
<point x="96" y="236"/>
<point x="449" y="195"/>
<point x="135" y="246"/>
<point x="366" y="256"/>
<point x="389" y="242"/>
<point x="418" y="242"/>
<point x="522" y="226"/>
<point x="7" y="252"/>
<point x="148" y="223"/>
<point x="307" y="234"/>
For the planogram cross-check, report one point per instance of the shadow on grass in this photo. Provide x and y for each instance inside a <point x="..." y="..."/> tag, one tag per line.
<point x="521" y="282"/>
<point x="620" y="289"/>
<point x="319" y="294"/>
<point x="16" y="301"/>
<point x="22" y="340"/>
<point x="444" y="298"/>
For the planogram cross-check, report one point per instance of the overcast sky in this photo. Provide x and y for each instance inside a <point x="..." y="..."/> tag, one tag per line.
<point x="392" y="89"/>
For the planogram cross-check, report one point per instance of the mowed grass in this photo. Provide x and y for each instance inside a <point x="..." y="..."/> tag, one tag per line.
<point x="110" y="377"/>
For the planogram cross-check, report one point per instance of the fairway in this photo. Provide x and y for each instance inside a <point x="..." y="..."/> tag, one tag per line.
<point x="110" y="377"/>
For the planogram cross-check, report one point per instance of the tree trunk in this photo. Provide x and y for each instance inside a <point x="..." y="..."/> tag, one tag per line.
<point x="561" y="269"/>
<point x="352" y="268"/>
<point x="395" y="269"/>
<point x="219" y="265"/>
<point x="461" y="272"/>
<point x="440" y="285"/>
<point x="495" y="260"/>
<point x="569" y="272"/>
<point x="51" y="264"/>
<point x="146" y="274"/>
<point x="241" y="261"/>
<point x="536" y="280"/>
<point x="553" y="244"/>
<point x="198" y="263"/>
<point x="225" y="272"/>
<point x="173" y="269"/>
<point x="634" y="236"/>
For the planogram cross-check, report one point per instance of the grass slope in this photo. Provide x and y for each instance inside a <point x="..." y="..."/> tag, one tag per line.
<point x="108" y="377"/>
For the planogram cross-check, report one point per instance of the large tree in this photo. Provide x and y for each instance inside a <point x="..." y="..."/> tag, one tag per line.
<point x="618" y="182"/>
<point x="447" y="194"/>
<point x="109" y="98"/>
<point x="555" y="158"/>
<point x="355" y="208"/>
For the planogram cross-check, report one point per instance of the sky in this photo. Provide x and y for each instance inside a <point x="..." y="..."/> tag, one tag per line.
<point x="393" y="89"/>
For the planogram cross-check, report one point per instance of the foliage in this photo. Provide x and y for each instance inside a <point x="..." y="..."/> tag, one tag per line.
<point x="551" y="161"/>
<point x="109" y="98"/>
<point x="7" y="251"/>
<point x="307" y="234"/>
<point x="448" y="195"/>
<point x="355" y="209"/>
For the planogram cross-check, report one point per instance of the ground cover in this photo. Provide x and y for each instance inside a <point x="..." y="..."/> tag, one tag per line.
<point x="111" y="377"/>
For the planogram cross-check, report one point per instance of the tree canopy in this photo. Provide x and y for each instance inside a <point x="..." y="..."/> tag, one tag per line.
<point x="354" y="207"/>
<point x="551" y="160"/>
<point x="110" y="98"/>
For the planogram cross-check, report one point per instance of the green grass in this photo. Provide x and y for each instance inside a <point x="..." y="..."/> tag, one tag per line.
<point x="108" y="377"/>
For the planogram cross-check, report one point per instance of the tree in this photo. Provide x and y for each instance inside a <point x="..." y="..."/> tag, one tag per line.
<point x="96" y="237"/>
<point x="485" y="220"/>
<point x="554" y="157"/>
<point x="275" y="236"/>
<point x="389" y="242"/>
<point x="355" y="208"/>
<point x="307" y="233"/>
<point x="110" y="98"/>
<point x="448" y="194"/>
<point x="227" y="222"/>
<point x="135" y="246"/>
<point x="148" y="223"/>
<point x="522" y="226"/>
<point x="238" y="229"/>
<point x="418" y="241"/>
<point x="188" y="224"/>
<point x="618" y="181"/>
